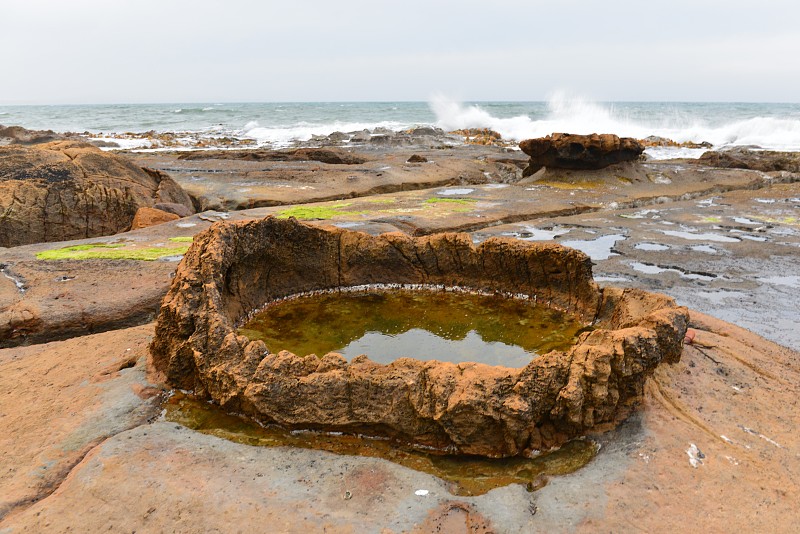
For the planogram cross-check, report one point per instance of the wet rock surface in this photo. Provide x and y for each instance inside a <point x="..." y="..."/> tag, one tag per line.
<point x="71" y="190"/>
<point x="232" y="269"/>
<point x="585" y="152"/>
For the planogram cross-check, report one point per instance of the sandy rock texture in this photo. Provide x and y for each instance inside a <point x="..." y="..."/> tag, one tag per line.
<point x="585" y="152"/>
<point x="234" y="268"/>
<point x="70" y="190"/>
<point x="60" y="401"/>
<point x="733" y="396"/>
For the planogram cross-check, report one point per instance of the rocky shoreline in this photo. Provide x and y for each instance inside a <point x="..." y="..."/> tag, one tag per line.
<point x="719" y="234"/>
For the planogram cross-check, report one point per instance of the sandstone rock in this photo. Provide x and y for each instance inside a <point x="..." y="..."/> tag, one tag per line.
<point x="23" y="136"/>
<point x="150" y="217"/>
<point x="234" y="268"/>
<point x="172" y="207"/>
<point x="585" y="152"/>
<point x="416" y="158"/>
<point x="72" y="190"/>
<point x="323" y="155"/>
<point x="759" y="160"/>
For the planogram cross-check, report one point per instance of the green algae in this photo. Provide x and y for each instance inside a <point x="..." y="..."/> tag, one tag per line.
<point x="317" y="212"/>
<point x="106" y="251"/>
<point x="182" y="239"/>
<point x="467" y="475"/>
<point x="424" y="324"/>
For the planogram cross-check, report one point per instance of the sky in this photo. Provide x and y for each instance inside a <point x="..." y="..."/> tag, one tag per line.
<point x="149" y="51"/>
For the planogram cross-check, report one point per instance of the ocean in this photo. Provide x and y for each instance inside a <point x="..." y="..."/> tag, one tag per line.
<point x="765" y="125"/>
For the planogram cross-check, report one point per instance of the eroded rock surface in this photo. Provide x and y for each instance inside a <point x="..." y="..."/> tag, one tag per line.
<point x="234" y="268"/>
<point x="585" y="152"/>
<point x="759" y="160"/>
<point x="71" y="190"/>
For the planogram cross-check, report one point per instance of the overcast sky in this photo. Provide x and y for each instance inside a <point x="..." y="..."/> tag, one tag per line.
<point x="92" y="51"/>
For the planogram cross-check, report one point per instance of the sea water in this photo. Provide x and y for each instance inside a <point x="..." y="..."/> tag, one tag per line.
<point x="450" y="326"/>
<point x="765" y="125"/>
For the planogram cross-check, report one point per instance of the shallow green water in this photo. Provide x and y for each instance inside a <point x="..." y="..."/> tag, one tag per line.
<point x="468" y="475"/>
<point x="423" y="324"/>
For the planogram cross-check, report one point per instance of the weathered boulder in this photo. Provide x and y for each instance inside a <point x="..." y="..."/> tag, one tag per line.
<point x="22" y="136"/>
<point x="72" y="190"/>
<point x="146" y="217"/>
<point x="581" y="152"/>
<point x="234" y="268"/>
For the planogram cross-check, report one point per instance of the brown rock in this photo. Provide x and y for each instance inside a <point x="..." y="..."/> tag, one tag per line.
<point x="23" y="136"/>
<point x="758" y="160"/>
<point x="171" y="207"/>
<point x="331" y="156"/>
<point x="234" y="268"/>
<point x="583" y="152"/>
<point x="416" y="158"/>
<point x="150" y="217"/>
<point x="72" y="190"/>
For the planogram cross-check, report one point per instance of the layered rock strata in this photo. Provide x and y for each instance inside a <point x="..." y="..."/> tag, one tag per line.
<point x="234" y="268"/>
<point x="581" y="152"/>
<point x="72" y="190"/>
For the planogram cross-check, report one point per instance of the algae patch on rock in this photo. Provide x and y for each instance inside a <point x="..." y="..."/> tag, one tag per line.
<point x="468" y="475"/>
<point x="111" y="251"/>
<point x="317" y="212"/>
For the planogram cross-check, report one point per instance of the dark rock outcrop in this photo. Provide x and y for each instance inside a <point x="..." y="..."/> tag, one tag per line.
<point x="757" y="160"/>
<point x="580" y="152"/>
<point x="234" y="268"/>
<point x="323" y="155"/>
<point x="72" y="190"/>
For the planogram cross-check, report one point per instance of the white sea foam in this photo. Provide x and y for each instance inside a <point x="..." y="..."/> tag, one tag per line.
<point x="303" y="131"/>
<point x="581" y="116"/>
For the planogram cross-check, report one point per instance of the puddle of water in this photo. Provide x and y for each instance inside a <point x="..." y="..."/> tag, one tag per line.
<point x="347" y="224"/>
<point x="450" y="326"/>
<point x="186" y="225"/>
<point x="789" y="281"/>
<point x="495" y="186"/>
<point x="704" y="248"/>
<point x="753" y="238"/>
<point x="596" y="249"/>
<point x="642" y="214"/>
<point x="708" y="236"/>
<point x="745" y="220"/>
<point x="536" y="234"/>
<point x="707" y="203"/>
<point x="765" y="200"/>
<point x="452" y="192"/>
<point x="468" y="475"/>
<point x="651" y="246"/>
<point x="655" y="269"/>
<point x="719" y="297"/>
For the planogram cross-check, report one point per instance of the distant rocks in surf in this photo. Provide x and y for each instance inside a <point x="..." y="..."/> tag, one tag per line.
<point x="656" y="141"/>
<point x="579" y="152"/>
<point x="66" y="190"/>
<point x="420" y="136"/>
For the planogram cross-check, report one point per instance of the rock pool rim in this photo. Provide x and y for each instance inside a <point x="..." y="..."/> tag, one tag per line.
<point x="233" y="267"/>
